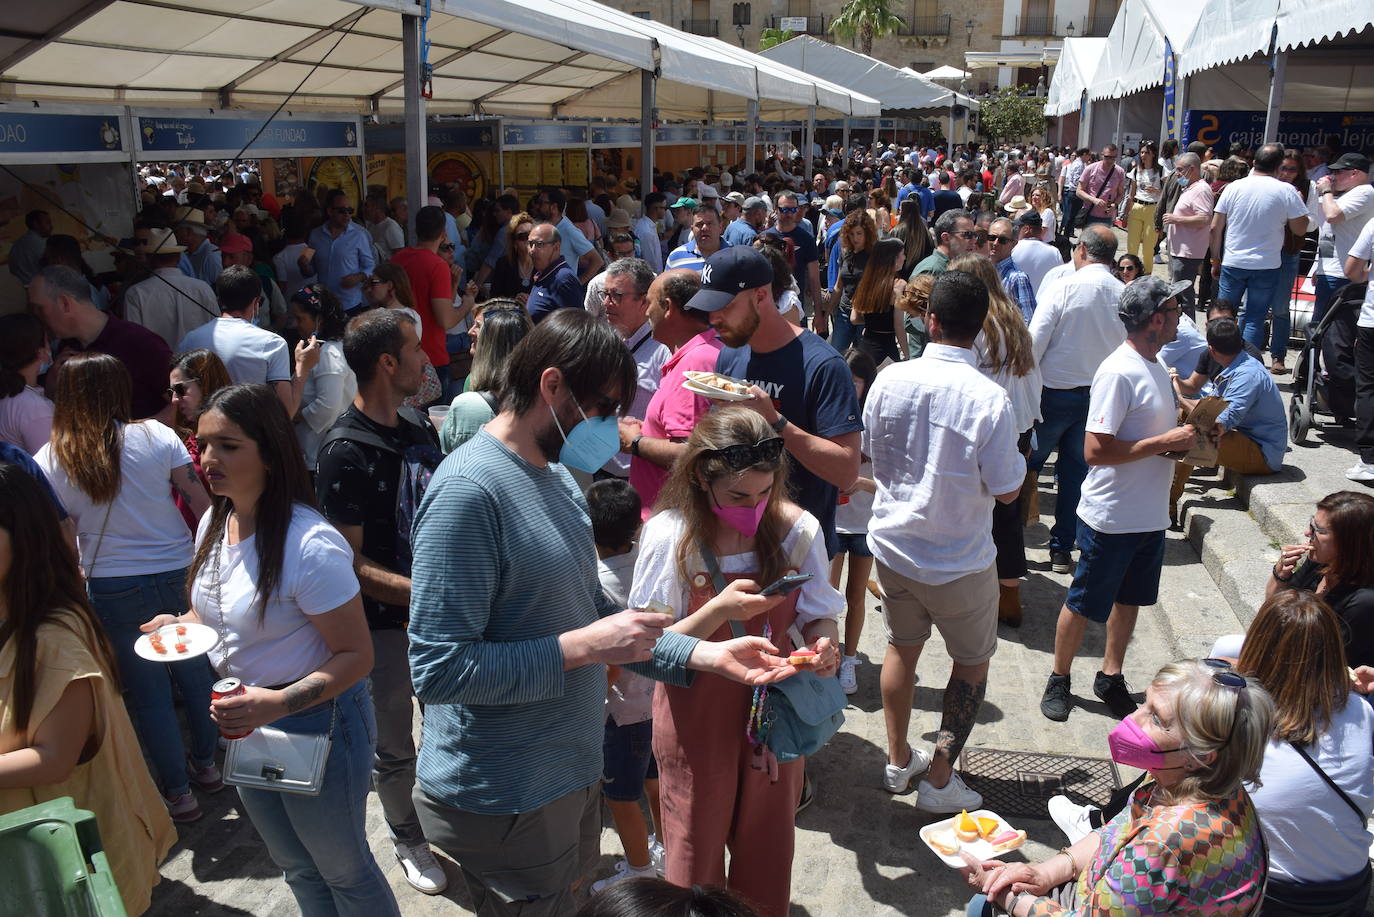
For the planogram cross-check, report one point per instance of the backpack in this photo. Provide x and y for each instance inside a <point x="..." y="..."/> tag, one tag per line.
<point x="418" y="463"/>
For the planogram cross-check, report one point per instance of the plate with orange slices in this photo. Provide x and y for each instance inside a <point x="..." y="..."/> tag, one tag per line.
<point x="982" y="834"/>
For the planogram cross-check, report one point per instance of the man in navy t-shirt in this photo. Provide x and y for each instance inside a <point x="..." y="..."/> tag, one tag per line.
<point x="805" y="258"/>
<point x="802" y="386"/>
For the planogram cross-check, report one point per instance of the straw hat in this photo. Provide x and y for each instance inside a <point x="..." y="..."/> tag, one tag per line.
<point x="1016" y="204"/>
<point x="163" y="242"/>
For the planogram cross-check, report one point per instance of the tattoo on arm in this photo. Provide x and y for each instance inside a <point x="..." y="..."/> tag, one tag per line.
<point x="303" y="693"/>
<point x="962" y="702"/>
<point x="186" y="481"/>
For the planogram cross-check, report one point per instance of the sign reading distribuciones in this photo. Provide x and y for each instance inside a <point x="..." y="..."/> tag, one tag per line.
<point x="546" y="135"/>
<point x="1225" y="129"/>
<point x="31" y="133"/>
<point x="189" y="135"/>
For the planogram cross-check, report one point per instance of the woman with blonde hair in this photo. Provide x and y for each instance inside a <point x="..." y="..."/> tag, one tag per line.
<point x="514" y="271"/>
<point x="725" y="516"/>
<point x="113" y="475"/>
<point x="912" y="302"/>
<point x="880" y="210"/>
<point x="497" y="326"/>
<point x="1005" y="355"/>
<point x="858" y="235"/>
<point x="1042" y="202"/>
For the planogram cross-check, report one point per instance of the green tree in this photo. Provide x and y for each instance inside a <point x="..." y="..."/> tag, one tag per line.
<point x="868" y="19"/>
<point x="770" y="37"/>
<point x="1006" y="115"/>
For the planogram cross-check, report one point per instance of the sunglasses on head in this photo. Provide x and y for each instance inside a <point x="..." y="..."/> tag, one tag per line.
<point x="741" y="455"/>
<point x="522" y="236"/>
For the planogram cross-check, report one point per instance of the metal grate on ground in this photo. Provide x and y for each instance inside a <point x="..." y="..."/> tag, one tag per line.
<point x="1021" y="783"/>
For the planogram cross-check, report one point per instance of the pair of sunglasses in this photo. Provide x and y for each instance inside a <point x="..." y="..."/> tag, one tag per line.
<point x="742" y="455"/>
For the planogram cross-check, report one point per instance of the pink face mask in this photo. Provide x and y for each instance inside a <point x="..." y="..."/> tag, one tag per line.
<point x="743" y="519"/>
<point x="1132" y="747"/>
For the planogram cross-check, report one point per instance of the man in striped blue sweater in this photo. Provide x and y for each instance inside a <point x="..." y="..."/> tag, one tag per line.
<point x="510" y="631"/>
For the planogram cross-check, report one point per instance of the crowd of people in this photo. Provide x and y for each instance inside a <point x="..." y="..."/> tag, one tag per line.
<point x="601" y="477"/>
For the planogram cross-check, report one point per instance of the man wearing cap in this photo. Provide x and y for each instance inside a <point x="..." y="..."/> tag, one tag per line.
<point x="1132" y="422"/>
<point x="342" y="257"/>
<point x="705" y="240"/>
<point x="646" y="230"/>
<point x="1346" y="205"/>
<point x="682" y="211"/>
<point x="1032" y="255"/>
<point x="731" y="206"/>
<point x="169" y="303"/>
<point x="753" y="216"/>
<point x="236" y="248"/>
<point x="801" y="385"/>
<point x="1188" y="225"/>
<point x="200" y="257"/>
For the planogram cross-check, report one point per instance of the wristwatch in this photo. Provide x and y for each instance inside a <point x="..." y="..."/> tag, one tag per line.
<point x="634" y="445"/>
<point x="779" y="425"/>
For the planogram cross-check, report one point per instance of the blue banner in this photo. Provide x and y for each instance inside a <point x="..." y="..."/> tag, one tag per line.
<point x="187" y="135"/>
<point x="679" y="133"/>
<point x="721" y="134"/>
<point x="553" y="135"/>
<point x="1224" y="129"/>
<point x="30" y="133"/>
<point x="616" y="135"/>
<point x="1170" y="116"/>
<point x="391" y="138"/>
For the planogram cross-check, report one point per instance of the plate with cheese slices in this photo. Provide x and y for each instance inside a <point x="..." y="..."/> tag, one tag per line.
<point x="983" y="834"/>
<point x="717" y="386"/>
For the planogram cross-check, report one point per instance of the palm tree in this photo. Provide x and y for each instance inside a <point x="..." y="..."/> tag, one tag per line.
<point x="770" y="37"/>
<point x="868" y="19"/>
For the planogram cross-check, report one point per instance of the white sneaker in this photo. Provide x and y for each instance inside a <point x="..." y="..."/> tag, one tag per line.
<point x="1071" y="818"/>
<point x="657" y="855"/>
<point x="948" y="799"/>
<point x="849" y="679"/>
<point x="623" y="870"/>
<point x="898" y="779"/>
<point x="1361" y="471"/>
<point x="422" y="870"/>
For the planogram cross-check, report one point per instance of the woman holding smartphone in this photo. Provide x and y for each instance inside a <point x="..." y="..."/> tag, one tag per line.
<point x="726" y="503"/>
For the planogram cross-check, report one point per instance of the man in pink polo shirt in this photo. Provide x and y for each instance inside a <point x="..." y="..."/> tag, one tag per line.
<point x="673" y="411"/>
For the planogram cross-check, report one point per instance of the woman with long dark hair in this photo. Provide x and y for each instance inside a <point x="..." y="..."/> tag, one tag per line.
<point x="276" y="583"/>
<point x="113" y="475"/>
<point x="25" y="412"/>
<point x="62" y="721"/>
<point x="323" y="384"/>
<point x="872" y="309"/>
<point x="913" y="231"/>
<point x="194" y="376"/>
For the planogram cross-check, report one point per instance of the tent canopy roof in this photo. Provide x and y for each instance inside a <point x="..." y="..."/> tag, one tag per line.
<point x="1134" y="56"/>
<point x="1077" y="64"/>
<point x="900" y="91"/>
<point x="946" y="73"/>
<point x="1232" y="30"/>
<point x="532" y="58"/>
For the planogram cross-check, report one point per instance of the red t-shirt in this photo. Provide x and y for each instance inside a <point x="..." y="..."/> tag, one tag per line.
<point x="429" y="279"/>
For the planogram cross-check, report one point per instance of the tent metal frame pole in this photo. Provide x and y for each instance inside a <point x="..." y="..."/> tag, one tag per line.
<point x="1277" y="74"/>
<point x="949" y="138"/>
<point x="501" y="155"/>
<point x="845" y="143"/>
<point x="417" y="158"/>
<point x="1120" y="107"/>
<point x="1085" y="123"/>
<point x="877" y="131"/>
<point x="648" y="97"/>
<point x="751" y="128"/>
<point x="809" y="140"/>
<point x="1180" y="106"/>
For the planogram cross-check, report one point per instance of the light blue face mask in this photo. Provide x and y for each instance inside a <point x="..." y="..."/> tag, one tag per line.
<point x="1183" y="181"/>
<point x="591" y="443"/>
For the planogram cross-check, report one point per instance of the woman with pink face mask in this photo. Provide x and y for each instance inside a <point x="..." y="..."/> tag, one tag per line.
<point x="1188" y="841"/>
<point x="725" y="516"/>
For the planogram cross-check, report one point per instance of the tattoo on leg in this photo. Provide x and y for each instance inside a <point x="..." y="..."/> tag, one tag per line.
<point x="303" y="693"/>
<point x="961" y="705"/>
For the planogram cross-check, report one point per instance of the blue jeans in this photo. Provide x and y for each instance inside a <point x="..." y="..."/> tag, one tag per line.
<point x="1068" y="209"/>
<point x="123" y="603"/>
<point x="979" y="906"/>
<point x="1282" y="324"/>
<point x="1065" y="413"/>
<point x="1256" y="287"/>
<point x="320" y="842"/>
<point x="1326" y="289"/>
<point x="842" y="334"/>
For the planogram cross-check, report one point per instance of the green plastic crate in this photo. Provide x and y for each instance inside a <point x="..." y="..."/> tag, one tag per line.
<point x="54" y="864"/>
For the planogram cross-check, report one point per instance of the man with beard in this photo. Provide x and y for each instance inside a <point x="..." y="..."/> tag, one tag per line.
<point x="801" y="385"/>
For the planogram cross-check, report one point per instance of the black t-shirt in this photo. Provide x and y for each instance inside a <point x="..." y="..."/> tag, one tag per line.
<point x="506" y="279"/>
<point x="812" y="387"/>
<point x="1211" y="368"/>
<point x="356" y="485"/>
<point x="947" y="200"/>
<point x="852" y="266"/>
<point x="803" y="253"/>
<point x="1354" y="605"/>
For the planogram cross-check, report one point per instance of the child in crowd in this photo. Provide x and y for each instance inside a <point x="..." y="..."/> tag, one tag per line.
<point x="851" y="524"/>
<point x="629" y="770"/>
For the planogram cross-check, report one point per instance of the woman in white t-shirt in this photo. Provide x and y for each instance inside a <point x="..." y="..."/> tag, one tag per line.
<point x="1042" y="202"/>
<point x="116" y="479"/>
<point x="276" y="582"/>
<point x="1145" y="180"/>
<point x="25" y="412"/>
<point x="728" y="494"/>
<point x="323" y="384"/>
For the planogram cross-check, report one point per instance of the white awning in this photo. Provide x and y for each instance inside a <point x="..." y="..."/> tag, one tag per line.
<point x="1077" y="64"/>
<point x="1232" y="30"/>
<point x="900" y="91"/>
<point x="946" y="73"/>
<point x="517" y="57"/>
<point x="1134" y="58"/>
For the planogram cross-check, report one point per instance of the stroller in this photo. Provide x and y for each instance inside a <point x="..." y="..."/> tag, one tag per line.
<point x="1324" y="374"/>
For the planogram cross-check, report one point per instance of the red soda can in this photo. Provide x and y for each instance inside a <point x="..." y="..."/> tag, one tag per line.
<point x="228" y="687"/>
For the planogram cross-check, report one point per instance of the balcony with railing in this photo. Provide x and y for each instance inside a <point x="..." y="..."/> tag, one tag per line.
<point x="815" y="25"/>
<point x="1098" y="26"/>
<point x="708" y="27"/>
<point x="926" y="25"/>
<point x="1036" y="26"/>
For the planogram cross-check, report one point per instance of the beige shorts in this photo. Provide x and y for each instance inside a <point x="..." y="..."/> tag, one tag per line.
<point x="964" y="611"/>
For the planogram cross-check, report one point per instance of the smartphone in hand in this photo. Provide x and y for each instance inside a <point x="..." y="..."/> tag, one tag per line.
<point x="786" y="584"/>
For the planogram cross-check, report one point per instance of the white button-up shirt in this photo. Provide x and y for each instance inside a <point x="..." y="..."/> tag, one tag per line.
<point x="1076" y="326"/>
<point x="943" y="441"/>
<point x="170" y="304"/>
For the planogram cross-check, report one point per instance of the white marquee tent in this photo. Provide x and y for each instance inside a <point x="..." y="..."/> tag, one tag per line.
<point x="1078" y="63"/>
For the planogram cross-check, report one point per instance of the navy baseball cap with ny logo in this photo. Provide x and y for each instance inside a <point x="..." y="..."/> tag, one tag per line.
<point x="728" y="273"/>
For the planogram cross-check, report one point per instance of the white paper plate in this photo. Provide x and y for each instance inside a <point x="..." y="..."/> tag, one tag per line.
<point x="198" y="640"/>
<point x="710" y="391"/>
<point x="980" y="848"/>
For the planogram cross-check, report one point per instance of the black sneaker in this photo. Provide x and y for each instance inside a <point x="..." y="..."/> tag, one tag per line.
<point x="1061" y="561"/>
<point x="1112" y="691"/>
<point x="1057" y="701"/>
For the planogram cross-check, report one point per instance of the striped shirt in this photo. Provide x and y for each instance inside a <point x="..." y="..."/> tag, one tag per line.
<point x="687" y="256"/>
<point x="504" y="563"/>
